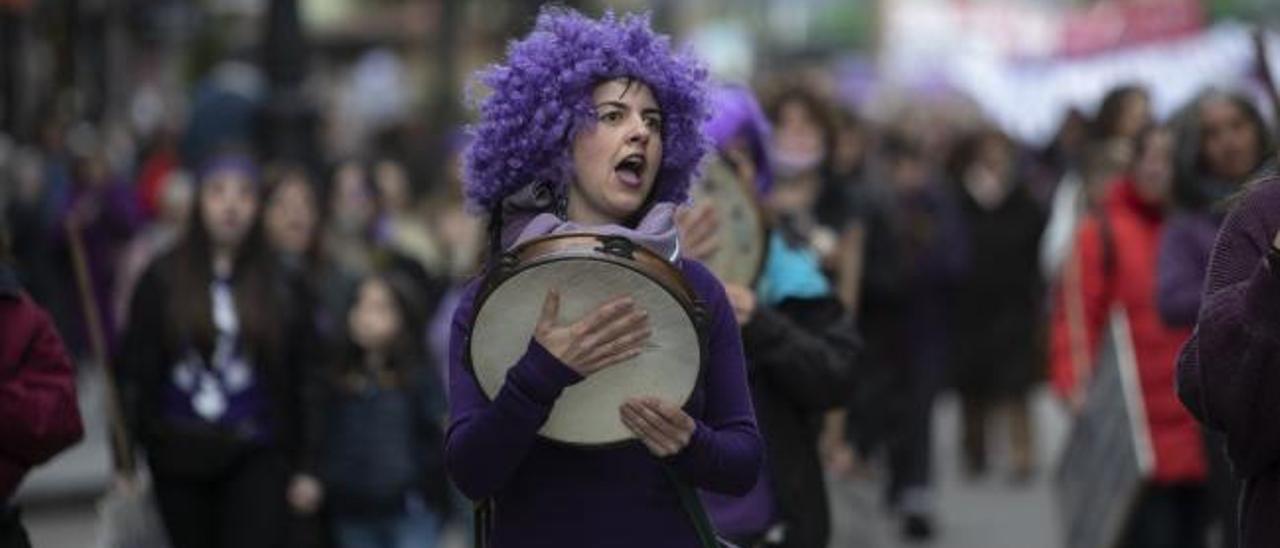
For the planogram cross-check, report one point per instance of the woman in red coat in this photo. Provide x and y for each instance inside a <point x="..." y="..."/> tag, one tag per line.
<point x="39" y="416"/>
<point x="1114" y="265"/>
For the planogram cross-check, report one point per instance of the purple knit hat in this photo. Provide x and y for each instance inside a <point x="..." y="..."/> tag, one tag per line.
<point x="541" y="98"/>
<point x="735" y="114"/>
<point x="234" y="162"/>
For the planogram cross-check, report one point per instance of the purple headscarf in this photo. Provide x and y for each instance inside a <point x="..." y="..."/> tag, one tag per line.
<point x="233" y="162"/>
<point x="735" y="114"/>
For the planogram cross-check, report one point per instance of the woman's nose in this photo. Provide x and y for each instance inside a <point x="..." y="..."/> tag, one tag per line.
<point x="639" y="132"/>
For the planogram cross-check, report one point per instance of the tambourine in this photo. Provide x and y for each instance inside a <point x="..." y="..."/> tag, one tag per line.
<point x="743" y="234"/>
<point x="588" y="270"/>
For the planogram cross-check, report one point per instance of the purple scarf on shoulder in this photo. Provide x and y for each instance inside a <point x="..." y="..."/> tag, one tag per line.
<point x="528" y="214"/>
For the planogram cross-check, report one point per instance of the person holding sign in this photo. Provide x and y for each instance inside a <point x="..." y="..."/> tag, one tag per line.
<point x="1114" y="267"/>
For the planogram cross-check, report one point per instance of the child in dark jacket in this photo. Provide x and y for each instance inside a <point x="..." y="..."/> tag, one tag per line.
<point x="380" y="454"/>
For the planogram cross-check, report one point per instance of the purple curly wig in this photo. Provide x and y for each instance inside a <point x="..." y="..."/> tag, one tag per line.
<point x="541" y="99"/>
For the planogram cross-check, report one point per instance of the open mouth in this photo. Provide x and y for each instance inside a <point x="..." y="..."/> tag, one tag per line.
<point x="631" y="169"/>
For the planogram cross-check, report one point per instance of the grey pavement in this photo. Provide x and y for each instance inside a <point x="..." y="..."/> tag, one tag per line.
<point x="991" y="512"/>
<point x="83" y="471"/>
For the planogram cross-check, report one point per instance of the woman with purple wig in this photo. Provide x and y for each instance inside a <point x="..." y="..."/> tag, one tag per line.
<point x="801" y="348"/>
<point x="595" y="125"/>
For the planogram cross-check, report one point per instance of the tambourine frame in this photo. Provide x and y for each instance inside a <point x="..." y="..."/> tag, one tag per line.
<point x="614" y="250"/>
<point x="748" y="189"/>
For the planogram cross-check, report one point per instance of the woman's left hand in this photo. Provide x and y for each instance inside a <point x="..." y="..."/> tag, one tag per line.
<point x="699" y="231"/>
<point x="664" y="428"/>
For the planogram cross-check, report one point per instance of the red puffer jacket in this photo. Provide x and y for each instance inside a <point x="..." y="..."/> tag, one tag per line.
<point x="1096" y="280"/>
<point x="39" y="415"/>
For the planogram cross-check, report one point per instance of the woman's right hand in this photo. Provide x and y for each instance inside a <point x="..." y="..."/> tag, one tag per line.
<point x="743" y="300"/>
<point x="614" y="332"/>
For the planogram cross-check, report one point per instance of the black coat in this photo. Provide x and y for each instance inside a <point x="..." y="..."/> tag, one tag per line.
<point x="801" y="358"/>
<point x="146" y="359"/>
<point x="998" y="316"/>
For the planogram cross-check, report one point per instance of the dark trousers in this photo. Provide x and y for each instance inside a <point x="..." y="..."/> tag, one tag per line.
<point x="12" y="534"/>
<point x="1169" y="516"/>
<point x="911" y="447"/>
<point x="1223" y="489"/>
<point x="243" y="507"/>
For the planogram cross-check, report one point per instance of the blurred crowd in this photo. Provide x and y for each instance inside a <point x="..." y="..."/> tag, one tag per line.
<point x="975" y="264"/>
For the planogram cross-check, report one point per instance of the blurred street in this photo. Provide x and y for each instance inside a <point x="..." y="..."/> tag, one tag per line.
<point x="955" y="246"/>
<point x="991" y="512"/>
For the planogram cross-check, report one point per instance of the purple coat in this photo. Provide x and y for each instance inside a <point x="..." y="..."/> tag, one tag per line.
<point x="104" y="238"/>
<point x="1229" y="372"/>
<point x="1185" y="246"/>
<point x="549" y="494"/>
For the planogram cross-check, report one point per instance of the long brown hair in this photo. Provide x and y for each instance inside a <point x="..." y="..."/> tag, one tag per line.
<point x="276" y="178"/>
<point x="820" y="110"/>
<point x="253" y="281"/>
<point x="969" y="148"/>
<point x="1106" y="123"/>
<point x="1192" y="173"/>
<point x="406" y="351"/>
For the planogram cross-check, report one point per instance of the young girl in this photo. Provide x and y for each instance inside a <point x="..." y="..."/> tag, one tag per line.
<point x="381" y="451"/>
<point x="211" y="371"/>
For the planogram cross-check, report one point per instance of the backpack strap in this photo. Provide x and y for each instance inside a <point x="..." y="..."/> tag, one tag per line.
<point x="1107" y="235"/>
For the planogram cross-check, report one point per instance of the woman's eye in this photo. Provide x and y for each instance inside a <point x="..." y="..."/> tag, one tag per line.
<point x="611" y="116"/>
<point x="653" y="122"/>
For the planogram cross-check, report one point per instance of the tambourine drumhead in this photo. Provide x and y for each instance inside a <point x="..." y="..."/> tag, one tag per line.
<point x="742" y="231"/>
<point x="587" y="412"/>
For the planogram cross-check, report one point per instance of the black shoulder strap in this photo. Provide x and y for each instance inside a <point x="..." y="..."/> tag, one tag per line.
<point x="693" y="506"/>
<point x="483" y="513"/>
<point x="1106" y="234"/>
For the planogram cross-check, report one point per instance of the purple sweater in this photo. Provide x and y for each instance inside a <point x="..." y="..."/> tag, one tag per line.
<point x="549" y="494"/>
<point x="1229" y="372"/>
